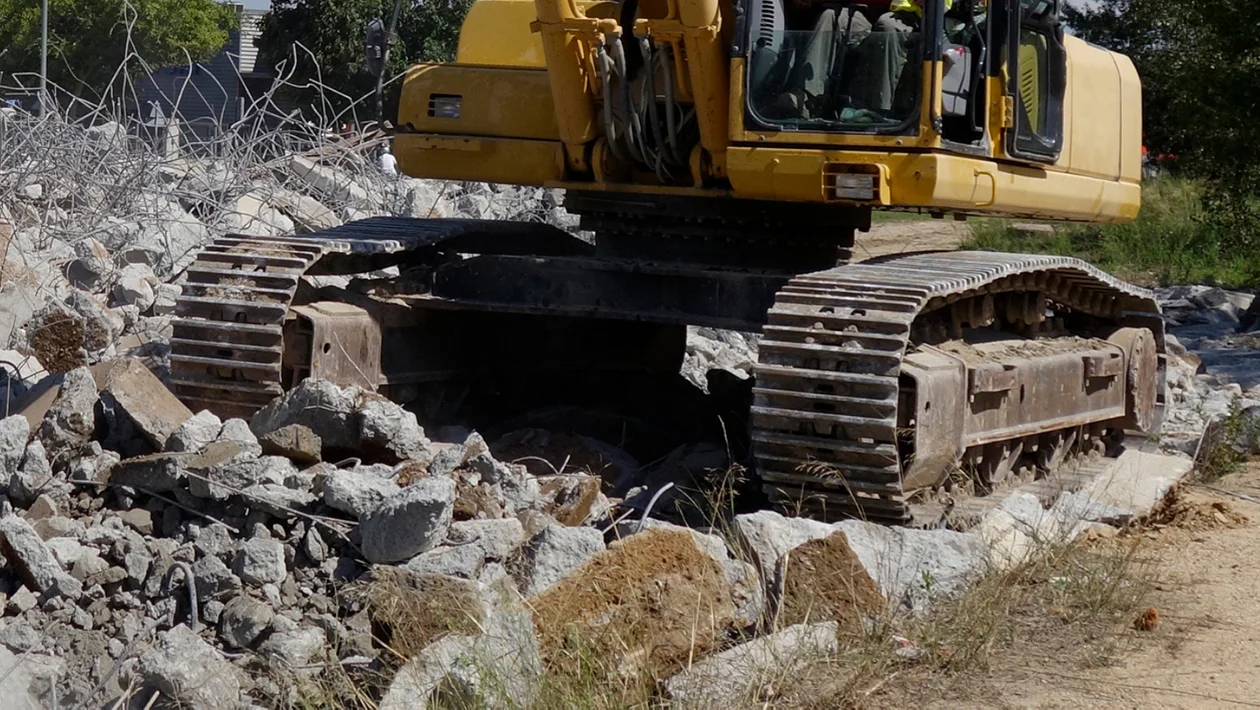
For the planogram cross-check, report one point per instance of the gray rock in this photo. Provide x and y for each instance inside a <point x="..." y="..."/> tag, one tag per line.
<point x="34" y="477"/>
<point x="308" y="214"/>
<point x="464" y="561"/>
<point x="214" y="579"/>
<point x="137" y="567"/>
<point x="768" y="536"/>
<point x="157" y="473"/>
<point x="237" y="430"/>
<point x="90" y="566"/>
<point x="1071" y="508"/>
<point x="388" y="427"/>
<point x="243" y="620"/>
<point x="498" y="669"/>
<point x="66" y="550"/>
<point x="221" y="469"/>
<point x="138" y="519"/>
<point x="408" y="523"/>
<point x="313" y="546"/>
<point x="26" y="679"/>
<point x="278" y="500"/>
<point x="43" y="508"/>
<point x="729" y="678"/>
<point x="495" y="539"/>
<point x="18" y="636"/>
<point x="357" y="492"/>
<point x="554" y="553"/>
<point x="165" y="298"/>
<point x="33" y="561"/>
<point x="910" y="566"/>
<point x="261" y="561"/>
<point x="22" y="601"/>
<point x="294" y="648"/>
<point x="14" y="433"/>
<point x="517" y="488"/>
<point x="93" y="464"/>
<point x="294" y="441"/>
<point x="101" y="326"/>
<point x="319" y="405"/>
<point x="195" y="433"/>
<point x="189" y="671"/>
<point x="71" y="420"/>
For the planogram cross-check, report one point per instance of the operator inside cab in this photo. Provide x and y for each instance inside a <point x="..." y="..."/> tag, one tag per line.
<point x="842" y="63"/>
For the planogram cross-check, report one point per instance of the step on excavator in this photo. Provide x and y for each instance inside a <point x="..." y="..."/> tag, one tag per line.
<point x="723" y="153"/>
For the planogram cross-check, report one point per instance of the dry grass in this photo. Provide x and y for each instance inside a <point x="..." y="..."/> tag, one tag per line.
<point x="411" y="610"/>
<point x="1068" y="606"/>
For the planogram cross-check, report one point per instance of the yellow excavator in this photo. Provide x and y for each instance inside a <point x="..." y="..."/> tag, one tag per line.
<point x="723" y="153"/>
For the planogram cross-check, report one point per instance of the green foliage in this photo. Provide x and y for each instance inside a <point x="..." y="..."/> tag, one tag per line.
<point x="88" y="39"/>
<point x="1173" y="240"/>
<point x="321" y="41"/>
<point x="1200" y="69"/>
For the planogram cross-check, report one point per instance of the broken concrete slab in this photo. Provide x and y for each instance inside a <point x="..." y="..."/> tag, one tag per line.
<point x="554" y="553"/>
<point x="1138" y="481"/>
<point x="132" y="388"/>
<point x="728" y="679"/>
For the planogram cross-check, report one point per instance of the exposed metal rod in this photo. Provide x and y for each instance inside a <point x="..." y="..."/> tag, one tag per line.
<point x="43" y="60"/>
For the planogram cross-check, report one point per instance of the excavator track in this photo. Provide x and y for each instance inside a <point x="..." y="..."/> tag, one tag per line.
<point x="825" y="416"/>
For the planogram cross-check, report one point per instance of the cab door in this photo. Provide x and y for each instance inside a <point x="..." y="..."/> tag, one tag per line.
<point x="1036" y="80"/>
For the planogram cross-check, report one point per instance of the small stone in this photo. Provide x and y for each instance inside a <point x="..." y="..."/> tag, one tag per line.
<point x="408" y="523"/>
<point x="212" y="611"/>
<point x="261" y="561"/>
<point x="237" y="430"/>
<point x="58" y="526"/>
<point x="314" y="547"/>
<point x="195" y="433"/>
<point x="43" y="508"/>
<point x="19" y="636"/>
<point x="294" y="441"/>
<point x="214" y="579"/>
<point x="140" y="520"/>
<point x="137" y="567"/>
<point x="243" y="620"/>
<point x="66" y="551"/>
<point x="22" y="601"/>
<point x="295" y="649"/>
<point x="157" y="473"/>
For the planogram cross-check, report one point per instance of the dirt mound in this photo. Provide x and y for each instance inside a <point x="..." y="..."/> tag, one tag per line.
<point x="648" y="602"/>
<point x="823" y="580"/>
<point x="1200" y="513"/>
<point x="410" y="610"/>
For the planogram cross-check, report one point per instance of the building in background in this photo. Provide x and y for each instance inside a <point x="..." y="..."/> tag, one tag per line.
<point x="210" y="96"/>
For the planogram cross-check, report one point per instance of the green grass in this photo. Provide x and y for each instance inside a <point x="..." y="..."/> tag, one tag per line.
<point x="1172" y="241"/>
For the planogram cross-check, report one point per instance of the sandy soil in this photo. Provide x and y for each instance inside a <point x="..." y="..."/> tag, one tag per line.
<point x="1205" y="653"/>
<point x="900" y="236"/>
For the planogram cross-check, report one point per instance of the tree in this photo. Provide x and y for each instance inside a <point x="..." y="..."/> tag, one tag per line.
<point x="89" y="40"/>
<point x="322" y="41"/>
<point x="1200" y="69"/>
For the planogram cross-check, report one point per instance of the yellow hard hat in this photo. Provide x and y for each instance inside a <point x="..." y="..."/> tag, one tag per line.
<point x="914" y="6"/>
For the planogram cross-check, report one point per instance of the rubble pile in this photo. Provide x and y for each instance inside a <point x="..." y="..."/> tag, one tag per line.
<point x="149" y="549"/>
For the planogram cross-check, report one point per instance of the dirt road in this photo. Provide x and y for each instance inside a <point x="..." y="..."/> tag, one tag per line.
<point x="908" y="235"/>
<point x="1205" y="652"/>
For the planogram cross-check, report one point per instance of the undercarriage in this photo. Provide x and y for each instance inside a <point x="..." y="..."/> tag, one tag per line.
<point x="884" y="389"/>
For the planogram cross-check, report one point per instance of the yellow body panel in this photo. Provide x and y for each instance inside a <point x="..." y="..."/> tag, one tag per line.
<point x="532" y="113"/>
<point x="509" y="160"/>
<point x="931" y="181"/>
